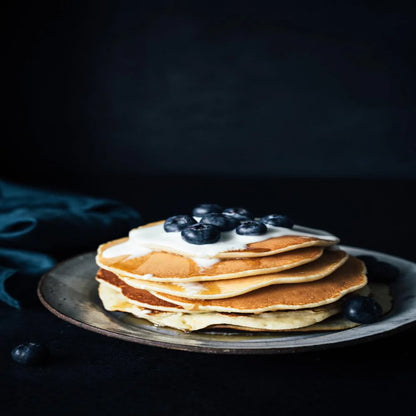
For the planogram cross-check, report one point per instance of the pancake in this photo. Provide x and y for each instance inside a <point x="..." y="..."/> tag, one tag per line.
<point x="159" y="266"/>
<point x="318" y="269"/>
<point x="276" y="245"/>
<point x="324" y="318"/>
<point x="230" y="245"/>
<point x="380" y="292"/>
<point x="270" y="321"/>
<point x="287" y="279"/>
<point x="348" y="278"/>
<point x="138" y="297"/>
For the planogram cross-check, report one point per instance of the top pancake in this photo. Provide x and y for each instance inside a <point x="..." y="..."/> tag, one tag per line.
<point x="231" y="245"/>
<point x="159" y="266"/>
<point x="276" y="245"/>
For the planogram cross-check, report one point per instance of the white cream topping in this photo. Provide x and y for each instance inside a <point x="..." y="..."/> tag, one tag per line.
<point x="142" y="241"/>
<point x="156" y="238"/>
<point x="204" y="262"/>
<point x="130" y="248"/>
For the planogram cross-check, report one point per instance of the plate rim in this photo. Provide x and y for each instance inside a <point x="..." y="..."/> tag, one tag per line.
<point x="220" y="350"/>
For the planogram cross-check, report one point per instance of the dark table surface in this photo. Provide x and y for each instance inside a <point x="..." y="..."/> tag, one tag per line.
<point x="93" y="374"/>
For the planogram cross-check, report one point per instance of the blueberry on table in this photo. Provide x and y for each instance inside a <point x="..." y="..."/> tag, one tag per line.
<point x="204" y="209"/>
<point x="201" y="234"/>
<point x="240" y="214"/>
<point x="278" y="220"/>
<point x="379" y="271"/>
<point x="251" y="227"/>
<point x="361" y="309"/>
<point x="30" y="353"/>
<point x="178" y="223"/>
<point x="221" y="221"/>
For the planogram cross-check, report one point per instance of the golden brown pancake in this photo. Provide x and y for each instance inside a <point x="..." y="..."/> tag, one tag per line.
<point x="276" y="245"/>
<point x="138" y="297"/>
<point x="270" y="321"/>
<point x="267" y="247"/>
<point x="347" y="278"/>
<point x="325" y="318"/>
<point x="160" y="266"/>
<point x="282" y="283"/>
<point x="323" y="266"/>
<point x="378" y="291"/>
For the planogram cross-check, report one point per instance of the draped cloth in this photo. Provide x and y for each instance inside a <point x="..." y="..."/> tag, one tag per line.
<point x="39" y="227"/>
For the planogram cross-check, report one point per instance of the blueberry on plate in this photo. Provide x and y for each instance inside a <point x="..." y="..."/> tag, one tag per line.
<point x="361" y="309"/>
<point x="278" y="220"/>
<point x="30" y="353"/>
<point x="379" y="271"/>
<point x="221" y="221"/>
<point x="251" y="227"/>
<point x="178" y="223"/>
<point x="240" y="214"/>
<point x="201" y="234"/>
<point x="203" y="209"/>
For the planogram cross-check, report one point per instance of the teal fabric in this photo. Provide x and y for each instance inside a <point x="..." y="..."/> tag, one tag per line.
<point x="39" y="227"/>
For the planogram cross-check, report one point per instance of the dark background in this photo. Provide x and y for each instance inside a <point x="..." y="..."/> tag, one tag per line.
<point x="305" y="108"/>
<point x="259" y="89"/>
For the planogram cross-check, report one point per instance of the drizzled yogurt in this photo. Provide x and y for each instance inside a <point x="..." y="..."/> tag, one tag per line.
<point x="143" y="240"/>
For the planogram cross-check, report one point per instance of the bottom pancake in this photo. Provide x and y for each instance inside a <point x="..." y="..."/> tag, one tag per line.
<point x="380" y="292"/>
<point x="315" y="319"/>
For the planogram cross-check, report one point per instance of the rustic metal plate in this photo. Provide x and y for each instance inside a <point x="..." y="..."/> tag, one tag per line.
<point x="70" y="292"/>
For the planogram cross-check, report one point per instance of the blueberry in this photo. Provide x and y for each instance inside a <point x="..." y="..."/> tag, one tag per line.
<point x="240" y="214"/>
<point x="379" y="271"/>
<point x="361" y="309"/>
<point x="204" y="209"/>
<point x="278" y="220"/>
<point x="251" y="227"/>
<point x="178" y="223"/>
<point x="222" y="222"/>
<point x="201" y="234"/>
<point x="30" y="353"/>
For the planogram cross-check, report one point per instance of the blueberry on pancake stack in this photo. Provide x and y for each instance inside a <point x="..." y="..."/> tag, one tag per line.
<point x="225" y="268"/>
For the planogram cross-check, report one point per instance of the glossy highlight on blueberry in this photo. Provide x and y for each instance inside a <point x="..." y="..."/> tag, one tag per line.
<point x="221" y="221"/>
<point x="203" y="209"/>
<point x="241" y="214"/>
<point x="30" y="353"/>
<point x="361" y="309"/>
<point x="178" y="223"/>
<point x="278" y="220"/>
<point x="201" y="234"/>
<point x="251" y="227"/>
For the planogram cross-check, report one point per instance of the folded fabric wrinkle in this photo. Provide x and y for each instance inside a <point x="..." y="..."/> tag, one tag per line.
<point x="39" y="227"/>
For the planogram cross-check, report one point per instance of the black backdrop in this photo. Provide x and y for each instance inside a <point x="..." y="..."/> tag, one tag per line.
<point x="306" y="108"/>
<point x="259" y="89"/>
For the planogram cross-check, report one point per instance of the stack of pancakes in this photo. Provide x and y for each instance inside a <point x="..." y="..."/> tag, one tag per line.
<point x="285" y="283"/>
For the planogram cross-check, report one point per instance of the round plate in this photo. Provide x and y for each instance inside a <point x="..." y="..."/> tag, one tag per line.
<point x="70" y="292"/>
